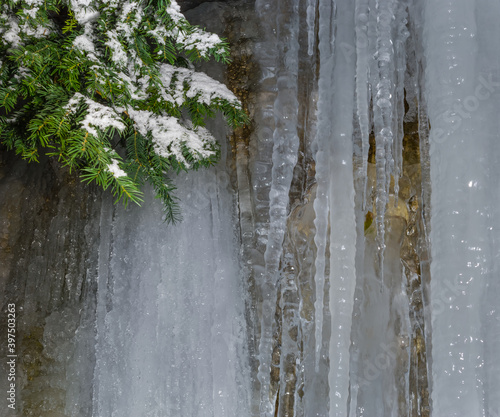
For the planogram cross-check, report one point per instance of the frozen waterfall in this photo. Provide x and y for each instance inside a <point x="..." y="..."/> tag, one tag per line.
<point x="342" y="259"/>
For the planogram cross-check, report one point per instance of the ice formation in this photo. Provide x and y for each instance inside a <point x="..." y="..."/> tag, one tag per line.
<point x="381" y="64"/>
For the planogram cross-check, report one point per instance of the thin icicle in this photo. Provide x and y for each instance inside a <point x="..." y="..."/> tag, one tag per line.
<point x="290" y="347"/>
<point x="322" y="156"/>
<point x="285" y="152"/>
<point x="321" y="209"/>
<point x="423" y="120"/>
<point x="383" y="114"/>
<point x="400" y="60"/>
<point x="363" y="55"/>
<point x="311" y="27"/>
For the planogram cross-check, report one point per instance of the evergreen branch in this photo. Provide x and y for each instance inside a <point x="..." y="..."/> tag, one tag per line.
<point x="68" y="79"/>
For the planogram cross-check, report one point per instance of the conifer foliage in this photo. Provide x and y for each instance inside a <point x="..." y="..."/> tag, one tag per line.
<point x="108" y="88"/>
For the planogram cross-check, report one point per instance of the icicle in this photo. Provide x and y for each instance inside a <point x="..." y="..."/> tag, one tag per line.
<point x="422" y="118"/>
<point x="400" y="60"/>
<point x="342" y="216"/>
<point x="256" y="233"/>
<point x="321" y="208"/>
<point x="423" y="134"/>
<point x="363" y="55"/>
<point x="322" y="155"/>
<point x="311" y="18"/>
<point x="383" y="114"/>
<point x="285" y="149"/>
<point x="290" y="347"/>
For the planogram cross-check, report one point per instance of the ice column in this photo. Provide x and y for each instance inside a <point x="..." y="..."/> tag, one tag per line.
<point x="334" y="203"/>
<point x="342" y="213"/>
<point x="286" y="143"/>
<point x="463" y="96"/>
<point x="322" y="151"/>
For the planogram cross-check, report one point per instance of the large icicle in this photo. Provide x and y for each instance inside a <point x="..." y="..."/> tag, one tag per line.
<point x="342" y="215"/>
<point x="255" y="229"/>
<point x="383" y="85"/>
<point x="322" y="151"/>
<point x="363" y="56"/>
<point x="463" y="97"/>
<point x="286" y="143"/>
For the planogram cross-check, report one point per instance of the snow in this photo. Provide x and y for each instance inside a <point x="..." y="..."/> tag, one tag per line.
<point x="115" y="169"/>
<point x="202" y="41"/>
<point x="118" y="54"/>
<point x="174" y="10"/>
<point x="22" y="73"/>
<point x="169" y="136"/>
<point x="206" y="89"/>
<point x="129" y="19"/>
<point x="97" y="116"/>
<point x="200" y="85"/>
<point x="84" y="43"/>
<point x="84" y="11"/>
<point x="12" y="34"/>
<point x="32" y="12"/>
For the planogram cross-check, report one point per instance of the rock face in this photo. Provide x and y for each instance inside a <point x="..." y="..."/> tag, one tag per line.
<point x="187" y="5"/>
<point x="48" y="261"/>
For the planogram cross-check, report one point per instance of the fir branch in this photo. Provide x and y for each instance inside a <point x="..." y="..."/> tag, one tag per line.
<point x="75" y="79"/>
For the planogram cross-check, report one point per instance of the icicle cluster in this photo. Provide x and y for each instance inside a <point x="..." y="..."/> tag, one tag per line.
<point x="381" y="33"/>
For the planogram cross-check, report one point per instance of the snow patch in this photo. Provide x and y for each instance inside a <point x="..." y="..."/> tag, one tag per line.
<point x="98" y="116"/>
<point x="169" y="136"/>
<point x="115" y="169"/>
